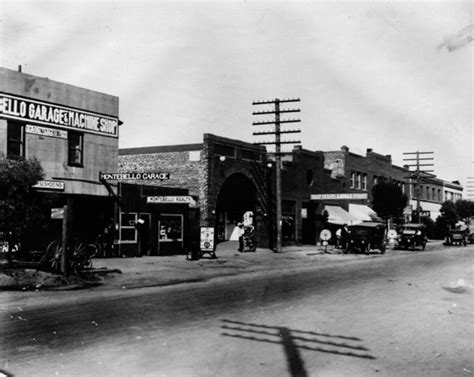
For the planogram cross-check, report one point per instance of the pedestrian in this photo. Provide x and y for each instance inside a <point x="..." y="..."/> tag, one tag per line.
<point x="344" y="236"/>
<point x="240" y="234"/>
<point x="338" y="238"/>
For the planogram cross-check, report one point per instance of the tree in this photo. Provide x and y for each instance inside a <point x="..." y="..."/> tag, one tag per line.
<point x="449" y="216"/>
<point x="388" y="200"/>
<point x="21" y="207"/>
<point x="464" y="208"/>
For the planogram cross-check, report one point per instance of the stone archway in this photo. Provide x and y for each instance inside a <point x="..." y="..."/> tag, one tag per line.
<point x="237" y="195"/>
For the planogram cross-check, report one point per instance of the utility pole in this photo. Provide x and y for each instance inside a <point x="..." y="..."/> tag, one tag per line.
<point x="277" y="131"/>
<point x="420" y="173"/>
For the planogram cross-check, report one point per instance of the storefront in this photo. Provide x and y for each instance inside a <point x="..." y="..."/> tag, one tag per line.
<point x="156" y="220"/>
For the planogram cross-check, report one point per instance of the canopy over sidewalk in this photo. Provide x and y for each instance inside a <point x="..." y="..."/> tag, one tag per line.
<point x="363" y="213"/>
<point x="339" y="216"/>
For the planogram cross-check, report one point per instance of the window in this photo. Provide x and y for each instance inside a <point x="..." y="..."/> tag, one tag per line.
<point x="353" y="174"/>
<point x="375" y="180"/>
<point x="224" y="150"/>
<point x="440" y="196"/>
<point x="75" y="148"/>
<point x="170" y="228"/>
<point x="364" y="181"/>
<point x="16" y="138"/>
<point x="309" y="177"/>
<point x="359" y="180"/>
<point x="128" y="232"/>
<point x="250" y="155"/>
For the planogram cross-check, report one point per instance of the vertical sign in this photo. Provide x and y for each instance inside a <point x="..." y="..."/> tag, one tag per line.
<point x="207" y="239"/>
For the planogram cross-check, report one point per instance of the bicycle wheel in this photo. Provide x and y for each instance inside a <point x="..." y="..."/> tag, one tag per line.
<point x="82" y="256"/>
<point x="52" y="256"/>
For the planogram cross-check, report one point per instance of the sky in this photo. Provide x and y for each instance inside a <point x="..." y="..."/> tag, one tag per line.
<point x="392" y="76"/>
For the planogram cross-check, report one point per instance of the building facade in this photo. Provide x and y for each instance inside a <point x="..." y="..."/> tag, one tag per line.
<point x="225" y="177"/>
<point x="72" y="131"/>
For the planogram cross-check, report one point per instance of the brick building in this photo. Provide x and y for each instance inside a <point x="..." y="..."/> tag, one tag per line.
<point x="225" y="177"/>
<point x="361" y="173"/>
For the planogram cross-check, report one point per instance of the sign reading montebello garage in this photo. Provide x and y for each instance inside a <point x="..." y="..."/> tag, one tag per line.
<point x="134" y="176"/>
<point x="13" y="107"/>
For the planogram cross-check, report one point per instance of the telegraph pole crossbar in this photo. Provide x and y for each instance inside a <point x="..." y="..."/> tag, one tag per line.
<point x="419" y="174"/>
<point x="277" y="131"/>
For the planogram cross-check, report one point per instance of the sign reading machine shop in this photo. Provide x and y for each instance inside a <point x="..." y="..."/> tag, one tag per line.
<point x="134" y="176"/>
<point x="13" y="107"/>
<point x="348" y="196"/>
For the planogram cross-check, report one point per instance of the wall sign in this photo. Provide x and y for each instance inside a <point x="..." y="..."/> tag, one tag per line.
<point x="339" y="196"/>
<point x="170" y="199"/>
<point x="50" y="185"/>
<point x="45" y="113"/>
<point x="45" y="131"/>
<point x="134" y="176"/>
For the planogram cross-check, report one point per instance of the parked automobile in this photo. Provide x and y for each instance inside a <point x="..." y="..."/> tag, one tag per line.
<point x="365" y="237"/>
<point x="457" y="237"/>
<point x="412" y="236"/>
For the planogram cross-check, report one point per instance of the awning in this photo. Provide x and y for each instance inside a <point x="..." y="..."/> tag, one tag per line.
<point x="339" y="216"/>
<point x="363" y="213"/>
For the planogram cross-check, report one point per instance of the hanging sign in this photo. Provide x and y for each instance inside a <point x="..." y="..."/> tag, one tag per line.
<point x="49" y="185"/>
<point x="134" y="176"/>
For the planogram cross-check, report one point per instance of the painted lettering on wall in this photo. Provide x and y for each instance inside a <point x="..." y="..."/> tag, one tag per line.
<point x="34" y="111"/>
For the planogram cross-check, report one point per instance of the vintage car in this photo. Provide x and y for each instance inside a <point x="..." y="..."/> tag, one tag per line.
<point x="365" y="237"/>
<point x="457" y="237"/>
<point x="412" y="236"/>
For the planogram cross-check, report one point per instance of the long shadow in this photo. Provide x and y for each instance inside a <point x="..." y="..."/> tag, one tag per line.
<point x="294" y="340"/>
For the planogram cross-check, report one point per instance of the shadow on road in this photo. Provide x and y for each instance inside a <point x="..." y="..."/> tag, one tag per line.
<point x="294" y="340"/>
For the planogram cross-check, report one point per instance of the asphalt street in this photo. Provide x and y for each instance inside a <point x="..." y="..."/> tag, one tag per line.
<point x="398" y="315"/>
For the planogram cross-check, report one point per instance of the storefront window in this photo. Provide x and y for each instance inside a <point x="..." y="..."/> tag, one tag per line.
<point x="15" y="143"/>
<point x="170" y="228"/>
<point x="75" y="148"/>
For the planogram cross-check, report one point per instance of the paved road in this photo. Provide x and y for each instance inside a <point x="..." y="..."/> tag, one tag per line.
<point x="401" y="315"/>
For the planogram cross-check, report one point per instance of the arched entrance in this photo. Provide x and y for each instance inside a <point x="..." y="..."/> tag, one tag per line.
<point x="236" y="196"/>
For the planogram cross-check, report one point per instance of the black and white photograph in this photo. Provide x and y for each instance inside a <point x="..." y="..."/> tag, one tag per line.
<point x="236" y="188"/>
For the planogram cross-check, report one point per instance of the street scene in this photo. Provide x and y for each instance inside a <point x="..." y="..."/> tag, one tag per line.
<point x="236" y="189"/>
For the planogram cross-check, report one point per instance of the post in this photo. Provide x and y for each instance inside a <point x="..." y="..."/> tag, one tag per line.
<point x="66" y="236"/>
<point x="278" y="175"/>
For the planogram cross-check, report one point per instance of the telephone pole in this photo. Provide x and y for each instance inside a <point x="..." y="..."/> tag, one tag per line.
<point x="419" y="173"/>
<point x="277" y="131"/>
